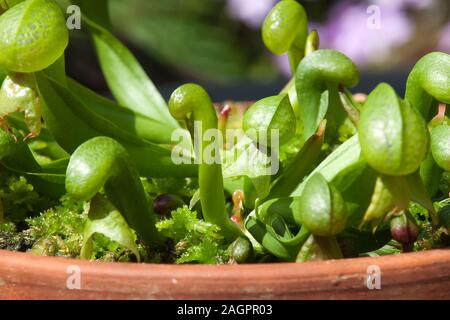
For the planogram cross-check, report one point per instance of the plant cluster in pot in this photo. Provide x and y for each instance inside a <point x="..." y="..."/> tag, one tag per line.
<point x="308" y="193"/>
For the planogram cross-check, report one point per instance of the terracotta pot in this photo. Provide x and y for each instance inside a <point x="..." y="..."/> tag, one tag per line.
<point x="424" y="275"/>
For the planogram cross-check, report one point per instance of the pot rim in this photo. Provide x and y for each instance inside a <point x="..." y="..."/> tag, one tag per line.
<point x="419" y="275"/>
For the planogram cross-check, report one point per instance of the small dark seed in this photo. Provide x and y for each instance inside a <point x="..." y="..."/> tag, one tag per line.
<point x="165" y="203"/>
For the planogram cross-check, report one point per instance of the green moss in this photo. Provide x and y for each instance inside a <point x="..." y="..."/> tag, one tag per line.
<point x="19" y="199"/>
<point x="58" y="231"/>
<point x="195" y="240"/>
<point x="428" y="237"/>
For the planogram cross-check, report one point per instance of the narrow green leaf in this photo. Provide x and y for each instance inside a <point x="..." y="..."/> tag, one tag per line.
<point x="264" y="234"/>
<point x="127" y="80"/>
<point x="7" y="4"/>
<point x="301" y="165"/>
<point x="17" y="157"/>
<point x="356" y="183"/>
<point x="420" y="195"/>
<point x="430" y="174"/>
<point x="135" y="123"/>
<point x="344" y="156"/>
<point x="105" y="219"/>
<point x="73" y="123"/>
<point x="3" y="74"/>
<point x="245" y="159"/>
<point x="285" y="207"/>
<point x="262" y="186"/>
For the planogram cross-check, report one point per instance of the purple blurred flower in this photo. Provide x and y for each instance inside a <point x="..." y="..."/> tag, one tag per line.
<point x="366" y="37"/>
<point x="369" y="31"/>
<point x="403" y="4"/>
<point x="251" y="12"/>
<point x="444" y="42"/>
<point x="282" y="62"/>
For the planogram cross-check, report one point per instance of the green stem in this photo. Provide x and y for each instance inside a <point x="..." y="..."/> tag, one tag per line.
<point x="312" y="42"/>
<point x="191" y="100"/>
<point x="350" y="106"/>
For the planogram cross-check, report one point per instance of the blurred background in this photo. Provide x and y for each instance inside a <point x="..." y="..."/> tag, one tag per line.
<point x="217" y="43"/>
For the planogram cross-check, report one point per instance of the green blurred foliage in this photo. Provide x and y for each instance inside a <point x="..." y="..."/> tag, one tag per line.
<point x="195" y="37"/>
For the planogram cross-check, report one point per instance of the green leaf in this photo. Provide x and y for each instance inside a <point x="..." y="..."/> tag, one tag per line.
<point x="7" y="4"/>
<point x="301" y="165"/>
<point x="356" y="183"/>
<point x="319" y="248"/>
<point x="195" y="199"/>
<point x="66" y="125"/>
<point x="431" y="173"/>
<point x="344" y="156"/>
<point x="105" y="219"/>
<point x="3" y="74"/>
<point x="420" y="195"/>
<point x="271" y="113"/>
<point x="390" y="193"/>
<point x="127" y="80"/>
<point x="245" y="159"/>
<point x="440" y="145"/>
<point x="17" y="157"/>
<point x="355" y="242"/>
<point x="428" y="83"/>
<point x="42" y="146"/>
<point x="265" y="235"/>
<point x="388" y="249"/>
<point x="262" y="186"/>
<point x="72" y="123"/>
<point x="285" y="207"/>
<point x="142" y="126"/>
